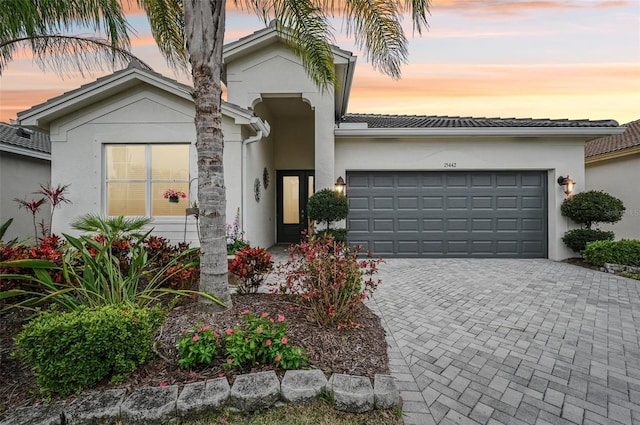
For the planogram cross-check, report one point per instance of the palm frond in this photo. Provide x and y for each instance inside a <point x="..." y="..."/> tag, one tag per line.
<point x="112" y="227"/>
<point x="28" y="19"/>
<point x="64" y="54"/>
<point x="305" y="28"/>
<point x="307" y="31"/>
<point x="375" y="26"/>
<point x="166" y="18"/>
<point x="419" y="12"/>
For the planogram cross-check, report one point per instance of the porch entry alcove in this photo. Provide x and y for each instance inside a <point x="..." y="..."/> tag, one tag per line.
<point x="294" y="188"/>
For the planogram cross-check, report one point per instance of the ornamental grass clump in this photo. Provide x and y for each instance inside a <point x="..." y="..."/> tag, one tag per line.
<point x="329" y="279"/>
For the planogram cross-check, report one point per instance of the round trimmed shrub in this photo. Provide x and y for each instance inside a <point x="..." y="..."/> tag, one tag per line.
<point x="589" y="208"/>
<point x="577" y="239"/>
<point x="69" y="352"/>
<point x="327" y="205"/>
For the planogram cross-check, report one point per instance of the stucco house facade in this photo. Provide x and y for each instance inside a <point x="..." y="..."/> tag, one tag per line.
<point x="612" y="164"/>
<point x="418" y="186"/>
<point x="24" y="165"/>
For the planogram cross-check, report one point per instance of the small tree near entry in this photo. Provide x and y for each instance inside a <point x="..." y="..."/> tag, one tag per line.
<point x="593" y="207"/>
<point x="326" y="206"/>
<point x="588" y="209"/>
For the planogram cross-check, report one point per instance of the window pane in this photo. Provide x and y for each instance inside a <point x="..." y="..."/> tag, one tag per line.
<point x="126" y="162"/>
<point x="310" y="187"/>
<point x="127" y="198"/>
<point x="170" y="162"/>
<point x="290" y="199"/>
<point x="161" y="206"/>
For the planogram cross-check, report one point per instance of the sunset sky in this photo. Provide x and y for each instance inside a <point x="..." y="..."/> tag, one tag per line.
<point x="493" y="58"/>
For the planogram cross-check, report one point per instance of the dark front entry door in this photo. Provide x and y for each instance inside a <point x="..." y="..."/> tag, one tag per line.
<point x="294" y="189"/>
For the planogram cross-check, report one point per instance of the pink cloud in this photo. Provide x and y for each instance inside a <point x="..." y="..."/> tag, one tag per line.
<point x="514" y="7"/>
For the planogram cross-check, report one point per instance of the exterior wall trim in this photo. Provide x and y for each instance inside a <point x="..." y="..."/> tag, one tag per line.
<point x="612" y="155"/>
<point x="25" y="152"/>
<point x="476" y="132"/>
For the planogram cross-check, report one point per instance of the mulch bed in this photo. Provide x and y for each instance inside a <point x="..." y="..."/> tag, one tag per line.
<point x="356" y="351"/>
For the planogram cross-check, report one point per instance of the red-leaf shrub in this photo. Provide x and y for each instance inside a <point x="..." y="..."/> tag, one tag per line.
<point x="50" y="248"/>
<point x="251" y="265"/>
<point x="329" y="279"/>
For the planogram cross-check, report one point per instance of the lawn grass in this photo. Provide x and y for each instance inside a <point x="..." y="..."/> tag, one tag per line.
<point x="320" y="412"/>
<point x="635" y="276"/>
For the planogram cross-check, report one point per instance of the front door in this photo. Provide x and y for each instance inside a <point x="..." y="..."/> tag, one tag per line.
<point x="293" y="191"/>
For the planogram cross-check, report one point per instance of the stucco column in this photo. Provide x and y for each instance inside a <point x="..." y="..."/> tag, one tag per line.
<point x="324" y="143"/>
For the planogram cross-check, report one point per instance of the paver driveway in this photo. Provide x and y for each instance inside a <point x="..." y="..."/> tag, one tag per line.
<point x="511" y="341"/>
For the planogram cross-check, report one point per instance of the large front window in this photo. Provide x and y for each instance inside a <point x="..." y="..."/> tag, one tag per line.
<point x="137" y="176"/>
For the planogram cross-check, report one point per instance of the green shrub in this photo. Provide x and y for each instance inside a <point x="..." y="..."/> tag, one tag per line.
<point x="327" y="205"/>
<point x="197" y="346"/>
<point x="577" y="239"/>
<point x="69" y="352"/>
<point x="261" y="340"/>
<point x="625" y="252"/>
<point x="592" y="207"/>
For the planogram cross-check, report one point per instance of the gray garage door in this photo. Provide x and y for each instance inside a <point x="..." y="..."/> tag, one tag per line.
<point x="449" y="214"/>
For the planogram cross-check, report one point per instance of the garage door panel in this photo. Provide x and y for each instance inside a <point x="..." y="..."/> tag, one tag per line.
<point x="481" y="181"/>
<point x="506" y="202"/>
<point x="532" y="202"/>
<point x="358" y="181"/>
<point x="457" y="225"/>
<point x="383" y="181"/>
<point x="408" y="225"/>
<point x="506" y="180"/>
<point x="482" y="225"/>
<point x="408" y="247"/>
<point x="456" y="202"/>
<point x="457" y="214"/>
<point x="432" y="202"/>
<point x="408" y="181"/>
<point x="359" y="203"/>
<point x="481" y="202"/>
<point x="456" y="180"/>
<point x="383" y="247"/>
<point x="358" y="225"/>
<point x="532" y="180"/>
<point x="383" y="225"/>
<point x="383" y="203"/>
<point x="433" y="225"/>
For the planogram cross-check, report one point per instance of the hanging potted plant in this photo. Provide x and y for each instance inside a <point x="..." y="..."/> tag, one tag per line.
<point x="173" y="195"/>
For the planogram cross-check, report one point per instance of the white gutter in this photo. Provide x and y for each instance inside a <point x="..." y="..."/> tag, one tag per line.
<point x="477" y="131"/>
<point x="24" y="151"/>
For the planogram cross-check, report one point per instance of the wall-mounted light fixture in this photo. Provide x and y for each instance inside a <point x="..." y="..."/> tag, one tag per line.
<point x="568" y="184"/>
<point x="340" y="185"/>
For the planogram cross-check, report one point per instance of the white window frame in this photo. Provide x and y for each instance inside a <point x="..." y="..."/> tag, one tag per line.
<point x="148" y="181"/>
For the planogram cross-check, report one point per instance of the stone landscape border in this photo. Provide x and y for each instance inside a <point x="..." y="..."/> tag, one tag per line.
<point x="251" y="392"/>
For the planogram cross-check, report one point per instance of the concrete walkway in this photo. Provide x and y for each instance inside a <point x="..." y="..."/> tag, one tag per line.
<point x="511" y="342"/>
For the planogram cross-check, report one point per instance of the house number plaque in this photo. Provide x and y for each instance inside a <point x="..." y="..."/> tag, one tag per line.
<point x="450" y="165"/>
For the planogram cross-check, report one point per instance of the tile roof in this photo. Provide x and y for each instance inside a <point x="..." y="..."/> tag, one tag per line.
<point x="26" y="139"/>
<point x="434" y="121"/>
<point x="630" y="138"/>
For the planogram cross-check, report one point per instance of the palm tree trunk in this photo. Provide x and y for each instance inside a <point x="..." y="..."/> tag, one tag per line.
<point x="204" y="35"/>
